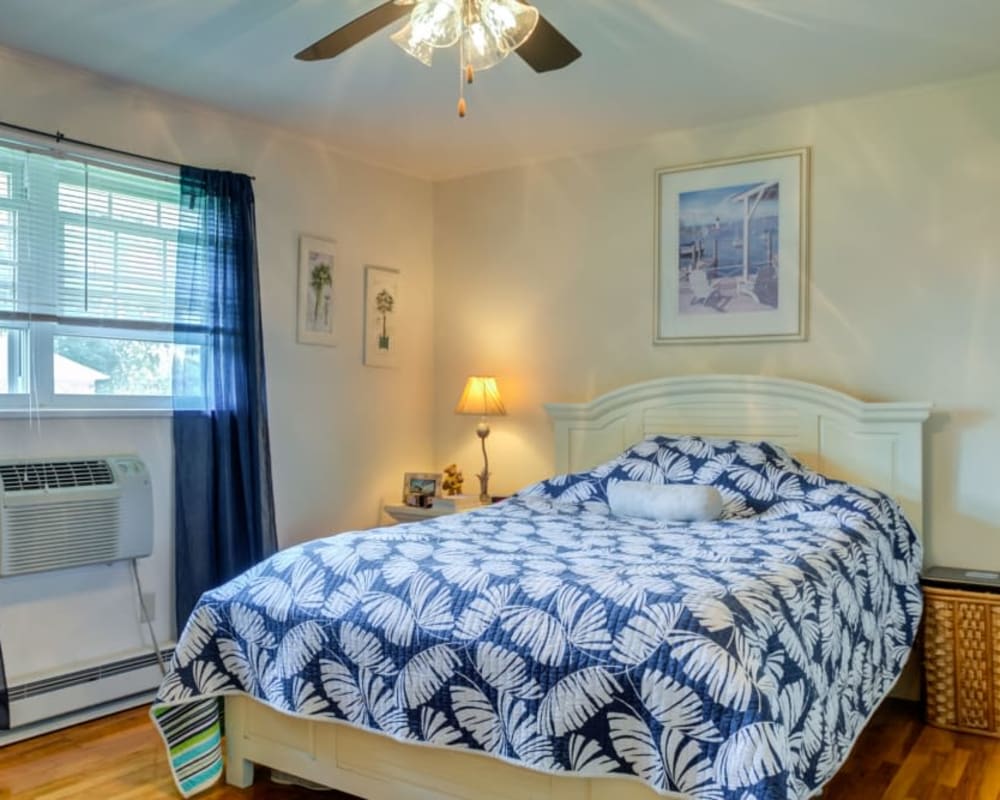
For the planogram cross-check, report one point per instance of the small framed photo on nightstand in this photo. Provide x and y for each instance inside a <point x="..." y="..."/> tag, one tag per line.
<point x="420" y="488"/>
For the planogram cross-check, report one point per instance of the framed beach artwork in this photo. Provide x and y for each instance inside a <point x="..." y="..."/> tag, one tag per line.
<point x="419" y="488"/>
<point x="381" y="316"/>
<point x="732" y="246"/>
<point x="317" y="312"/>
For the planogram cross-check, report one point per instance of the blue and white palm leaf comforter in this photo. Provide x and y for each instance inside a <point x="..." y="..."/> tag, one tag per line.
<point x="737" y="659"/>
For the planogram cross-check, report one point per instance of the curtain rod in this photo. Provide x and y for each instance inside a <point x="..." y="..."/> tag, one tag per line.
<point x="60" y="137"/>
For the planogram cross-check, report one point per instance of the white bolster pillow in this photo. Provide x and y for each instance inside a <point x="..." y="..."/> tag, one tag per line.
<point x="678" y="502"/>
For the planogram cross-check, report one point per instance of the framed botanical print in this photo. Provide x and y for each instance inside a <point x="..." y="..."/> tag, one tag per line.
<point x="382" y="332"/>
<point x="317" y="272"/>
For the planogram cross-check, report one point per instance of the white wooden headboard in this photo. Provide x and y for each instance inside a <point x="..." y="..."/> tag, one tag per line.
<point x="879" y="445"/>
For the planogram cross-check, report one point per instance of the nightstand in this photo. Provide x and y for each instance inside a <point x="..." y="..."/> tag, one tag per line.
<point x="403" y="513"/>
<point x="962" y="649"/>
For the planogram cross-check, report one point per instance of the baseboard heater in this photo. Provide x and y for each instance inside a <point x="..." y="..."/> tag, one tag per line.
<point x="67" y="696"/>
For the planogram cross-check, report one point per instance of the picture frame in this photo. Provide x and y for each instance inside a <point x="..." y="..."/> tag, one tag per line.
<point x="317" y="303"/>
<point x="417" y="485"/>
<point x="381" y="334"/>
<point x="732" y="250"/>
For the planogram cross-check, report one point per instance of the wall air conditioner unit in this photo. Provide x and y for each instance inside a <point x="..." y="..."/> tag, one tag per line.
<point x="58" y="513"/>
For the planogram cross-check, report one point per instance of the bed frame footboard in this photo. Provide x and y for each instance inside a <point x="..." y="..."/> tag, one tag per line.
<point x="377" y="768"/>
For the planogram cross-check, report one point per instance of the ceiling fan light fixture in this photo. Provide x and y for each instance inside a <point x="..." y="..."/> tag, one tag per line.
<point x="487" y="31"/>
<point x="440" y="23"/>
<point x="490" y="30"/>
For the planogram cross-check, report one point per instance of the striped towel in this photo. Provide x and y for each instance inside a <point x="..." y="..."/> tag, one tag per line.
<point x="192" y="733"/>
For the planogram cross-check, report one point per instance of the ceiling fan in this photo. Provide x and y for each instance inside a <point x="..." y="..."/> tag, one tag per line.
<point x="486" y="32"/>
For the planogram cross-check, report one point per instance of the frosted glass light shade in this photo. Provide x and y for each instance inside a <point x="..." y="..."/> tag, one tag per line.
<point x="433" y="23"/>
<point x="411" y="44"/>
<point x="482" y="49"/>
<point x="500" y="27"/>
<point x="481" y="398"/>
<point x="512" y="22"/>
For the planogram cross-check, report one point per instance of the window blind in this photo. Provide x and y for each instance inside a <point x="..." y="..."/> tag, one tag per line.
<point x="89" y="244"/>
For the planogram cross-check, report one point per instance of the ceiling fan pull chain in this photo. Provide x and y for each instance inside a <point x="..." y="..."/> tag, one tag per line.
<point x="462" y="65"/>
<point x="469" y="71"/>
<point x="461" y="95"/>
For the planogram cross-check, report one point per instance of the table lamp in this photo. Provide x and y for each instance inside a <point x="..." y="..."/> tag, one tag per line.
<point x="482" y="398"/>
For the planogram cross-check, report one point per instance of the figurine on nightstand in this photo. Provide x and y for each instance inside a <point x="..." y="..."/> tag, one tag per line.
<point x="453" y="480"/>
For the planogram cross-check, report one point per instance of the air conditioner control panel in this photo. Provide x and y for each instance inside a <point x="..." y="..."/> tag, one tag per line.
<point x="126" y="465"/>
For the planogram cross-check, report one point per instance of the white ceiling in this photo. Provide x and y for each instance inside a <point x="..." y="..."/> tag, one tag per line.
<point x="647" y="66"/>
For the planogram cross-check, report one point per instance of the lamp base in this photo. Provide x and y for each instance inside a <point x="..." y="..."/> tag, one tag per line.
<point x="482" y="431"/>
<point x="484" y="491"/>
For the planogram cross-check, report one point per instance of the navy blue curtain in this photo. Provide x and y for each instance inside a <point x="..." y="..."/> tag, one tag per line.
<point x="4" y="700"/>
<point x="224" y="507"/>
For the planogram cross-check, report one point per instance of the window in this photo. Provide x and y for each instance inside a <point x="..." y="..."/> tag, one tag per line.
<point x="12" y="346"/>
<point x="89" y="315"/>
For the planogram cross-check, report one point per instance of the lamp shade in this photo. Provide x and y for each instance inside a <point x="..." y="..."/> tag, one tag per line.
<point x="481" y="397"/>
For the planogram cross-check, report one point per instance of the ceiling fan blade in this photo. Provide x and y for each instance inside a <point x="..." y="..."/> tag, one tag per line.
<point x="547" y="49"/>
<point x="353" y="32"/>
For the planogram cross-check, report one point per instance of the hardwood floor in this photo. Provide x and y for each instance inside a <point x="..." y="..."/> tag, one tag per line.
<point x="121" y="758"/>
<point x="898" y="757"/>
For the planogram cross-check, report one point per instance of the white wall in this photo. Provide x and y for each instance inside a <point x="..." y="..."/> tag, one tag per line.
<point x="544" y="277"/>
<point x="341" y="434"/>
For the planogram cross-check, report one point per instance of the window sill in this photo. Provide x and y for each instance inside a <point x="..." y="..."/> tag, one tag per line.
<point x="85" y="413"/>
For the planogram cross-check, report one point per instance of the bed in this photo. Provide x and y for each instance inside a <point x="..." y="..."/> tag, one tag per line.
<point x="543" y="648"/>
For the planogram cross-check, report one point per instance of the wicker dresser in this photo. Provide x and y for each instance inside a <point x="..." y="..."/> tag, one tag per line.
<point x="962" y="650"/>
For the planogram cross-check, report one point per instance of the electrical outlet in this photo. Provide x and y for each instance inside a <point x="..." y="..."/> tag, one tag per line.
<point x="149" y="601"/>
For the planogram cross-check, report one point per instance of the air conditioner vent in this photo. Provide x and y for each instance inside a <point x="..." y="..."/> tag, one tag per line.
<point x="55" y="475"/>
<point x="59" y="535"/>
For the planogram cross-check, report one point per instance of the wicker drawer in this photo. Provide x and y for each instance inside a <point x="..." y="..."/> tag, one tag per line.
<point x="962" y="659"/>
